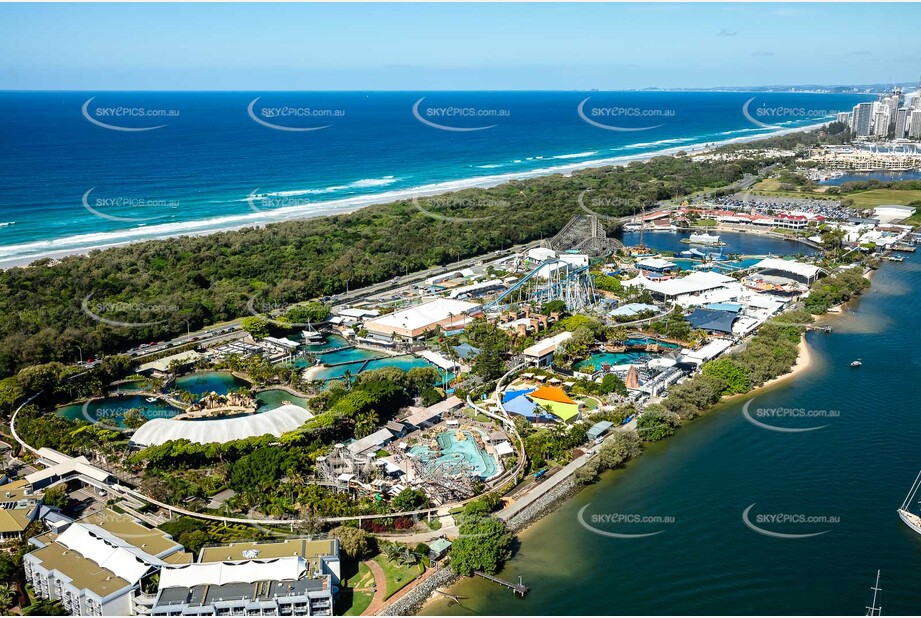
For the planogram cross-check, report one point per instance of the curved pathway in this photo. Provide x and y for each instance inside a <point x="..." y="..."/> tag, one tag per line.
<point x="380" y="583"/>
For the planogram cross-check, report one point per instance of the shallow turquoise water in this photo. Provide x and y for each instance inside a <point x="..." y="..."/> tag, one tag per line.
<point x="111" y="410"/>
<point x="220" y="382"/>
<point x="611" y="358"/>
<point x="457" y="453"/>
<point x="275" y="398"/>
<point x="405" y="363"/>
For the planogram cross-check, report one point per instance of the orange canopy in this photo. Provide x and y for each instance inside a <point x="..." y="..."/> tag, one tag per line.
<point x="551" y="393"/>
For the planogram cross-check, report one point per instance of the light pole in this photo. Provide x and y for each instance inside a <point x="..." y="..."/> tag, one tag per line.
<point x="188" y="328"/>
<point x="81" y="354"/>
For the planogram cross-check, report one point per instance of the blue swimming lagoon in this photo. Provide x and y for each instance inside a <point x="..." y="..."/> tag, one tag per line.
<point x="631" y="357"/>
<point x="456" y="451"/>
<point x="200" y="383"/>
<point x="112" y="410"/>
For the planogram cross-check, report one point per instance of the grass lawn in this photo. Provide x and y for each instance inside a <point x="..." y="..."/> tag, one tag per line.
<point x="705" y="223"/>
<point x="878" y="197"/>
<point x="352" y="602"/>
<point x="397" y="575"/>
<point x="590" y="403"/>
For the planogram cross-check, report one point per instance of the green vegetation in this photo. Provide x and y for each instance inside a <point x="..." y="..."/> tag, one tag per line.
<point x="770" y="353"/>
<point x="210" y="279"/>
<point x="614" y="453"/>
<point x="398" y="574"/>
<point x="836" y="289"/>
<point x="483" y="544"/>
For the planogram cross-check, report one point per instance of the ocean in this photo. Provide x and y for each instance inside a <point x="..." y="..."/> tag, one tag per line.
<point x="835" y="489"/>
<point x="85" y="169"/>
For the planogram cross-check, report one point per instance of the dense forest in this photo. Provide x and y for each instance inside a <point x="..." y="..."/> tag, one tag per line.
<point x="164" y="286"/>
<point x="45" y="308"/>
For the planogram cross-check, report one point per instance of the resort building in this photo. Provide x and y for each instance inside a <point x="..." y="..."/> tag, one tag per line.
<point x="19" y="506"/>
<point x="541" y="353"/>
<point x="449" y="314"/>
<point x="160" y="367"/>
<point x="294" y="577"/>
<point x="275" y="422"/>
<point x="103" y="565"/>
<point x="61" y="467"/>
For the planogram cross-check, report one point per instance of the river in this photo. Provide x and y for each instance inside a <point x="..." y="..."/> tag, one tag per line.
<point x="847" y="479"/>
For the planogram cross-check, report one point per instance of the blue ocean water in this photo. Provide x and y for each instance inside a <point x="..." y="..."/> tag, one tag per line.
<point x="93" y="169"/>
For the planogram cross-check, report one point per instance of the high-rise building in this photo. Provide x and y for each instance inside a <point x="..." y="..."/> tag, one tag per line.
<point x="915" y="129"/>
<point x="862" y="119"/>
<point x="844" y="118"/>
<point x="901" y="122"/>
<point x="881" y="121"/>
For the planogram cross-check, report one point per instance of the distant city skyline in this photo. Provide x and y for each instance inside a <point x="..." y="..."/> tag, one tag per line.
<point x="449" y="46"/>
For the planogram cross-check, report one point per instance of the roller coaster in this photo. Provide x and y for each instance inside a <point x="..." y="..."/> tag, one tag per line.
<point x="552" y="279"/>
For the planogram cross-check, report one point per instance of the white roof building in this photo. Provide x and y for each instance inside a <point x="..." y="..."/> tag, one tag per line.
<point x="541" y="254"/>
<point x="416" y="321"/>
<point x="708" y="352"/>
<point x="673" y="289"/>
<point x="797" y="269"/>
<point x="543" y="350"/>
<point x="275" y="422"/>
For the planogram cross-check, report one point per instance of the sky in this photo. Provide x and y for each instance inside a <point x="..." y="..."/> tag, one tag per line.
<point x="452" y="46"/>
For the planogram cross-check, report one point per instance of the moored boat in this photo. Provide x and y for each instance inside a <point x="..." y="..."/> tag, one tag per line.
<point x="910" y="519"/>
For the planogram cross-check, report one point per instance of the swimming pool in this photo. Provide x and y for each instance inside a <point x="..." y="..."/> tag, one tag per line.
<point x="457" y="452"/>
<point x="202" y="382"/>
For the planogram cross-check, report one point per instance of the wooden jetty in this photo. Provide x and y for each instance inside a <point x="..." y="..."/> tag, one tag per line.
<point x="518" y="588"/>
<point x="904" y="248"/>
<point x="821" y="329"/>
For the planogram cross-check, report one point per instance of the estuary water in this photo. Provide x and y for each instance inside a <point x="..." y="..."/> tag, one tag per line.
<point x="841" y="483"/>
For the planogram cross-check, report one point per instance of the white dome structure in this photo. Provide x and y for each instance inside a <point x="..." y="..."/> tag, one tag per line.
<point x="275" y="422"/>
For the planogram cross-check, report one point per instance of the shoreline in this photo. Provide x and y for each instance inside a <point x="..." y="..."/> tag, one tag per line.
<point x="349" y="205"/>
<point x="804" y="361"/>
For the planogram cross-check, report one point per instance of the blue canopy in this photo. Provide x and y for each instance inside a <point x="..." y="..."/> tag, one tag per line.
<point x="509" y="395"/>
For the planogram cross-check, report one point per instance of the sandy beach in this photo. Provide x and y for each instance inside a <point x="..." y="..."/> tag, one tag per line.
<point x="347" y="205"/>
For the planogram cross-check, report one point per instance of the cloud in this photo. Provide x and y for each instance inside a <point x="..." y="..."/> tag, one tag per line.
<point x="727" y="32"/>
<point x="860" y="53"/>
<point x="762" y="54"/>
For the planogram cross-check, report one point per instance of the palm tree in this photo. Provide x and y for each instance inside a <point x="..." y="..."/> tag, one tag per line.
<point x="365" y="423"/>
<point x="7" y="597"/>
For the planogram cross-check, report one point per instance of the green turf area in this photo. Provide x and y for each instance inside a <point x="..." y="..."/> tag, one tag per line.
<point x="397" y="575"/>
<point x="878" y="197"/>
<point x="356" y="592"/>
<point x="705" y="223"/>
